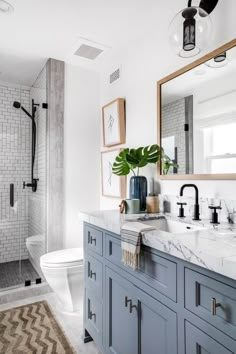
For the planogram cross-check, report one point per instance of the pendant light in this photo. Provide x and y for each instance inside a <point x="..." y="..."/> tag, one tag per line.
<point x="191" y="28"/>
<point x="219" y="61"/>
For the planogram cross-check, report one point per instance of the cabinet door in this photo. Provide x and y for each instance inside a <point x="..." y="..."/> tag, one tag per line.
<point x="157" y="326"/>
<point x="121" y="325"/>
<point x="198" y="342"/>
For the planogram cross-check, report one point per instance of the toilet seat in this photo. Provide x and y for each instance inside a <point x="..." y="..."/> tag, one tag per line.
<point x="66" y="258"/>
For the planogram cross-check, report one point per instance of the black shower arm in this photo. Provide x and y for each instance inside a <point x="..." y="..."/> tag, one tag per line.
<point x="26" y="112"/>
<point x="207" y="5"/>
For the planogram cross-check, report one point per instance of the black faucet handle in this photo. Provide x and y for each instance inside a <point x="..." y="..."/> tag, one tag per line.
<point x="213" y="207"/>
<point x="181" y="209"/>
<point x="214" y="219"/>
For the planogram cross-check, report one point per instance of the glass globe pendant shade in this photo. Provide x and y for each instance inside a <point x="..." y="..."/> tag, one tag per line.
<point x="218" y="61"/>
<point x="190" y="31"/>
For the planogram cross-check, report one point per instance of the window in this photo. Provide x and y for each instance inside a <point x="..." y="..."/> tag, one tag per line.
<point x="220" y="147"/>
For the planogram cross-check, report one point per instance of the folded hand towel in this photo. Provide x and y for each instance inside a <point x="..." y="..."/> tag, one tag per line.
<point x="131" y="239"/>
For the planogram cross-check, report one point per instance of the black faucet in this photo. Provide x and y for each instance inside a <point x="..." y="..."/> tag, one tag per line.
<point x="196" y="212"/>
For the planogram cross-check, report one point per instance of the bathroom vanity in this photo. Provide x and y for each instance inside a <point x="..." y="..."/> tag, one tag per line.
<point x="181" y="300"/>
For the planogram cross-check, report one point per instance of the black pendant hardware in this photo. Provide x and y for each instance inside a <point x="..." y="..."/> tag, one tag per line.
<point x="208" y="5"/>
<point x="38" y="281"/>
<point x="189" y="30"/>
<point x="27" y="282"/>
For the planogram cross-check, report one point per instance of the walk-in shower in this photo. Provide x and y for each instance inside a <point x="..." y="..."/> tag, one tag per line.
<point x="17" y="105"/>
<point x="23" y="163"/>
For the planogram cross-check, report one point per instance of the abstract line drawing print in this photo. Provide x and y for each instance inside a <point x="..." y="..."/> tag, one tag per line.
<point x="112" y="185"/>
<point x="111" y="123"/>
<point x="113" y="115"/>
<point x="109" y="173"/>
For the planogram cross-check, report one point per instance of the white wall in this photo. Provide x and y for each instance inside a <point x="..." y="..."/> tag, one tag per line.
<point x="82" y="146"/>
<point x="143" y="63"/>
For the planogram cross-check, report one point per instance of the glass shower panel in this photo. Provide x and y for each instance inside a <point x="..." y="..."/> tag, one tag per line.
<point x="23" y="221"/>
<point x="10" y="192"/>
<point x="36" y="242"/>
<point x="27" y="272"/>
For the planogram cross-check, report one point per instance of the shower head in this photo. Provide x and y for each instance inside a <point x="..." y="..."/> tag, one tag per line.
<point x="16" y="104"/>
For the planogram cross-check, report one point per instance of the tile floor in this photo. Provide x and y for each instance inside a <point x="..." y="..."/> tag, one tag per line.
<point x="14" y="273"/>
<point x="72" y="324"/>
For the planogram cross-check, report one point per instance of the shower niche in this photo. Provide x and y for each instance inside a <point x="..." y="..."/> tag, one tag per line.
<point x="23" y="176"/>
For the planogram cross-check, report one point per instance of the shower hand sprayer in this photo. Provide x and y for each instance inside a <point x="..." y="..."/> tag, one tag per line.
<point x="34" y="181"/>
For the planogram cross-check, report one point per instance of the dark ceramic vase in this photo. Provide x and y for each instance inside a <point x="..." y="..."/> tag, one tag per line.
<point x="138" y="190"/>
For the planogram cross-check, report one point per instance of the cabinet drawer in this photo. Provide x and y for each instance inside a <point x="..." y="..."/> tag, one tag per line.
<point x="211" y="300"/>
<point x="93" y="239"/>
<point x="155" y="271"/>
<point x="93" y="317"/>
<point x="93" y="274"/>
<point x="198" y="342"/>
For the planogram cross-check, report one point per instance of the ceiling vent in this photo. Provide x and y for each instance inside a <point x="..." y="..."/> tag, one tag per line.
<point x="114" y="76"/>
<point x="88" y="52"/>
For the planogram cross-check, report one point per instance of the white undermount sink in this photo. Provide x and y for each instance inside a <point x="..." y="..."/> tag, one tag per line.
<point x="174" y="227"/>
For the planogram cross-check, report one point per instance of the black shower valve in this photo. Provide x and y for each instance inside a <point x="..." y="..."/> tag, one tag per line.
<point x="32" y="185"/>
<point x="26" y="185"/>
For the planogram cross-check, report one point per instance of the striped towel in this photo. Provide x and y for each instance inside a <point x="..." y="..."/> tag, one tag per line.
<point x="131" y="239"/>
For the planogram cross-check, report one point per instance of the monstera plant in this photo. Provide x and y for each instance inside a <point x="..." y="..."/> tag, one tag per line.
<point x="167" y="163"/>
<point x="134" y="159"/>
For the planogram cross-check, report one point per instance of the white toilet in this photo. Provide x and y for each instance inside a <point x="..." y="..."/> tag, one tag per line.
<point x="63" y="270"/>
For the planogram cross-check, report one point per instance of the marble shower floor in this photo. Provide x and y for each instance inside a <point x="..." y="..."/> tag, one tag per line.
<point x="11" y="276"/>
<point x="71" y="324"/>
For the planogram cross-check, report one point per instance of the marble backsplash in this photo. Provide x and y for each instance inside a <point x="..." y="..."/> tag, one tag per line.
<point x="168" y="203"/>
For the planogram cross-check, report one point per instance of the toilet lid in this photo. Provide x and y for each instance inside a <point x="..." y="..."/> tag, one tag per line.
<point x="63" y="258"/>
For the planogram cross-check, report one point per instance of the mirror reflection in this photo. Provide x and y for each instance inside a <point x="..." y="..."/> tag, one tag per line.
<point x="198" y="118"/>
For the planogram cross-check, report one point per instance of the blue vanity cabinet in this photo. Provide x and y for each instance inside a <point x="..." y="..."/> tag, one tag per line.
<point x="155" y="271"/>
<point x="135" y="322"/>
<point x="93" y="239"/>
<point x="198" y="342"/>
<point x="211" y="300"/>
<point x="121" y="324"/>
<point x="93" y="316"/>
<point x="167" y="306"/>
<point x="157" y="326"/>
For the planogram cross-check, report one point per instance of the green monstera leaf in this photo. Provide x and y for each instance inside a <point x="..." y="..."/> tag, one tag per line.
<point x="130" y="159"/>
<point x="167" y="163"/>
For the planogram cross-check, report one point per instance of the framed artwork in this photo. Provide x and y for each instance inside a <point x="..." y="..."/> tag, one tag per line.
<point x="112" y="185"/>
<point x="113" y="121"/>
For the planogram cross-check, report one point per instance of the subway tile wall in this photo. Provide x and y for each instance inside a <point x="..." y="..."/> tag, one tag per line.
<point x="15" y="156"/>
<point x="173" y="119"/>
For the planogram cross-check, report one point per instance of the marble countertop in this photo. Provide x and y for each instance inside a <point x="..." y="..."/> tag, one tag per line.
<point x="213" y="248"/>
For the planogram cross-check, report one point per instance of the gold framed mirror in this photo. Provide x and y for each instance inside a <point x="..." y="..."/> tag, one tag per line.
<point x="196" y="122"/>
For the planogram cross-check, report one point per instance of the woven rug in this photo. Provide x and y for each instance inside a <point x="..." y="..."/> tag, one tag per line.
<point x="32" y="329"/>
